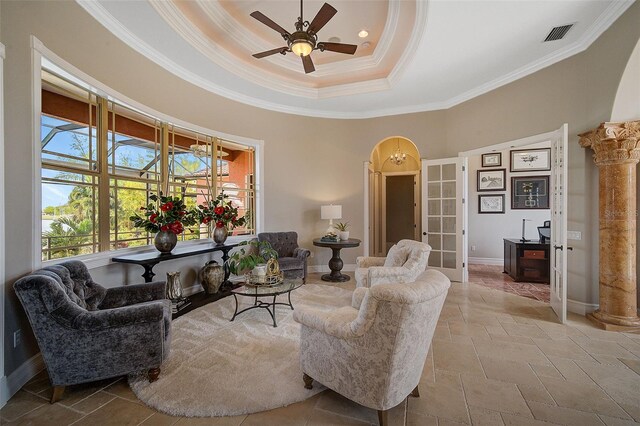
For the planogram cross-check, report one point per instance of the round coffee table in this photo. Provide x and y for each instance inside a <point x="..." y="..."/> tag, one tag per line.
<point x="286" y="286"/>
<point x="335" y="263"/>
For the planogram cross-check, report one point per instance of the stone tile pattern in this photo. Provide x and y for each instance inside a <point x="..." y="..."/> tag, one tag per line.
<point x="491" y="276"/>
<point x="496" y="359"/>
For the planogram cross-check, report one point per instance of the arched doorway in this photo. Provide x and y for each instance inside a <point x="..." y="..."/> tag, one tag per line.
<point x="393" y="201"/>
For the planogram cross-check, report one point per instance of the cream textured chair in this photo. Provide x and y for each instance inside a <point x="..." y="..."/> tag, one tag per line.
<point x="373" y="352"/>
<point x="404" y="262"/>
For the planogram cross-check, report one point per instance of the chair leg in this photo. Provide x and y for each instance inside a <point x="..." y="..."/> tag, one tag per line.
<point x="416" y="392"/>
<point x="153" y="374"/>
<point x="308" y="381"/>
<point x="383" y="418"/>
<point x="56" y="395"/>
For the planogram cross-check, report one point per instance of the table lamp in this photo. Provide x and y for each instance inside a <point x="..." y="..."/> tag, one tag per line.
<point x="331" y="212"/>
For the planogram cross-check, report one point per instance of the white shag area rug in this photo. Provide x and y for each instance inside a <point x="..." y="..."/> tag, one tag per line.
<point x="223" y="368"/>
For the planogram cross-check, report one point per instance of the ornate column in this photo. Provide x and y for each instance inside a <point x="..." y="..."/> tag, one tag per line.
<point x="616" y="153"/>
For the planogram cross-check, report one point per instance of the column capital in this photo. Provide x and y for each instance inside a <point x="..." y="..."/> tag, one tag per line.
<point x="614" y="143"/>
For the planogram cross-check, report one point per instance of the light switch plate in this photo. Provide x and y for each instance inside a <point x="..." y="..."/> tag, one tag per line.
<point x="574" y="235"/>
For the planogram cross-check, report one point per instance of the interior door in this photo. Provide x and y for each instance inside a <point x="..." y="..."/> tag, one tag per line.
<point x="443" y="214"/>
<point x="559" y="223"/>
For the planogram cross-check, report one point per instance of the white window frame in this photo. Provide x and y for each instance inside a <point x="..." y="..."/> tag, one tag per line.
<point x="42" y="57"/>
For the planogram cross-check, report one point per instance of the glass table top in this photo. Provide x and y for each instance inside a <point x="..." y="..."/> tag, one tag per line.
<point x="263" y="290"/>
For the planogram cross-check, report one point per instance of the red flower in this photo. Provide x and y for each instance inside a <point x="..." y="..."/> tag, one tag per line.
<point x="152" y="218"/>
<point x="219" y="224"/>
<point x="206" y="220"/>
<point x="218" y="210"/>
<point x="182" y="213"/>
<point x="164" y="228"/>
<point x="167" y="206"/>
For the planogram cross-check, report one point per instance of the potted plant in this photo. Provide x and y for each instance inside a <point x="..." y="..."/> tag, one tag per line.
<point x="167" y="216"/>
<point x="220" y="213"/>
<point x="251" y="254"/>
<point x="343" y="234"/>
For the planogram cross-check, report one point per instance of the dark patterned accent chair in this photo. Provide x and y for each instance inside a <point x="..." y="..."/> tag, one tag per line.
<point x="291" y="258"/>
<point x="87" y="332"/>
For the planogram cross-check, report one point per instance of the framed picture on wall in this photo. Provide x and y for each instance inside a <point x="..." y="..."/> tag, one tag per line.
<point x="492" y="180"/>
<point x="530" y="160"/>
<point x="530" y="192"/>
<point x="493" y="159"/>
<point x="490" y="204"/>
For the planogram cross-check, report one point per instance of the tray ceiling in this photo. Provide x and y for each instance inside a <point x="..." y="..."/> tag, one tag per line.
<point x="419" y="55"/>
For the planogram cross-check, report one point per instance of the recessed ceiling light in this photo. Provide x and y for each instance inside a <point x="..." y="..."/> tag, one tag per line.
<point x="363" y="33"/>
<point x="366" y="44"/>
<point x="334" y="39"/>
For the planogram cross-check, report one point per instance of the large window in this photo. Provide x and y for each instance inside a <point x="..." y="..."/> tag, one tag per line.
<point x="101" y="160"/>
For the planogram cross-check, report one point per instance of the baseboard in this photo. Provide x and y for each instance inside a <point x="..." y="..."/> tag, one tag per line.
<point x="485" y="261"/>
<point x="16" y="380"/>
<point x="4" y="394"/>
<point x="348" y="267"/>
<point x="581" y="308"/>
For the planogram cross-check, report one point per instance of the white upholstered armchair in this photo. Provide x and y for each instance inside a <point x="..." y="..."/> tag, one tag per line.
<point x="404" y="262"/>
<point x="373" y="352"/>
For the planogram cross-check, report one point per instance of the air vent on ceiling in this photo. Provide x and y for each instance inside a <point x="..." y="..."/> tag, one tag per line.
<point x="558" y="33"/>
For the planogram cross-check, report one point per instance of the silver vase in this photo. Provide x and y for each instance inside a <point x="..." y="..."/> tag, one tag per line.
<point x="165" y="241"/>
<point x="174" y="286"/>
<point x="211" y="277"/>
<point x="220" y="234"/>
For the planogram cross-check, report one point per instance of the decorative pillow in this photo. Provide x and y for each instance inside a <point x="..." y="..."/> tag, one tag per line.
<point x="397" y="256"/>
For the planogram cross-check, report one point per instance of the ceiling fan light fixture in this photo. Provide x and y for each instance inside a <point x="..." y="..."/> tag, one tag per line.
<point x="301" y="47"/>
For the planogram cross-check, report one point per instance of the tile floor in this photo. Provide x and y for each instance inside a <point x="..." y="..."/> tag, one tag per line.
<point x="491" y="276"/>
<point x="496" y="359"/>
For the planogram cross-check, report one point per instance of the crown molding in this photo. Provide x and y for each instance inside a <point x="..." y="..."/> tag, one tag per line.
<point x="604" y="21"/>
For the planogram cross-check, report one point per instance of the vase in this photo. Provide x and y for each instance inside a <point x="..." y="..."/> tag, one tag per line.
<point x="211" y="277"/>
<point x="220" y="234"/>
<point x="165" y="241"/>
<point x="174" y="286"/>
<point x="343" y="235"/>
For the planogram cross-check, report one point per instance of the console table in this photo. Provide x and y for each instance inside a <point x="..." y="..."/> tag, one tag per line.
<point x="151" y="258"/>
<point x="526" y="261"/>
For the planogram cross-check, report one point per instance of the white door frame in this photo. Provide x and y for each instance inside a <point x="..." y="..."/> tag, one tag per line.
<point x="4" y="390"/>
<point x="530" y="140"/>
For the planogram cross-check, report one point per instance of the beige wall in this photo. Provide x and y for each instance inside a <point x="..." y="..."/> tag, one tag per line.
<point x="308" y="161"/>
<point x="627" y="103"/>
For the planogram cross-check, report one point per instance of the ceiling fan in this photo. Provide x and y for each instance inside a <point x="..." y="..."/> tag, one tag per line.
<point x="304" y="39"/>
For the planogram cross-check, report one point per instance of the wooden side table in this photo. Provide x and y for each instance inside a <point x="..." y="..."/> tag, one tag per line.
<point x="335" y="263"/>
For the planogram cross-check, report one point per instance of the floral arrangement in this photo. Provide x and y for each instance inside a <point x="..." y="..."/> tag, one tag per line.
<point x="220" y="212"/>
<point x="164" y="214"/>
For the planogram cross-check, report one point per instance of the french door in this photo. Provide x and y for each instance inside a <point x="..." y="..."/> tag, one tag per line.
<point x="443" y="214"/>
<point x="559" y="248"/>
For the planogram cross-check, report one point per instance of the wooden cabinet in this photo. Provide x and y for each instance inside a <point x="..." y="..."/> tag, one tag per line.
<point x="526" y="261"/>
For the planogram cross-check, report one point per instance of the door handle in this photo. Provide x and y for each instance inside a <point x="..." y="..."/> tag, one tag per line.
<point x="569" y="248"/>
<point x="557" y="247"/>
<point x="424" y="233"/>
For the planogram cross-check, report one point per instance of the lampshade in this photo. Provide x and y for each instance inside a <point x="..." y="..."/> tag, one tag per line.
<point x="331" y="212"/>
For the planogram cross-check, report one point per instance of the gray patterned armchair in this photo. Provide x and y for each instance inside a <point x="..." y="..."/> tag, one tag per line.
<point x="292" y="259"/>
<point x="373" y="352"/>
<point x="86" y="332"/>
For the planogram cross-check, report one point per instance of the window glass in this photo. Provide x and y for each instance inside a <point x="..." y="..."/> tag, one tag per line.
<point x="75" y="170"/>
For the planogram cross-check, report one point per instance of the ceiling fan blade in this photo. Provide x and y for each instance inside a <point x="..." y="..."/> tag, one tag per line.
<point x="324" y="15"/>
<point x="308" y="64"/>
<point x="269" y="23"/>
<point x="349" y="49"/>
<point x="270" y="52"/>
